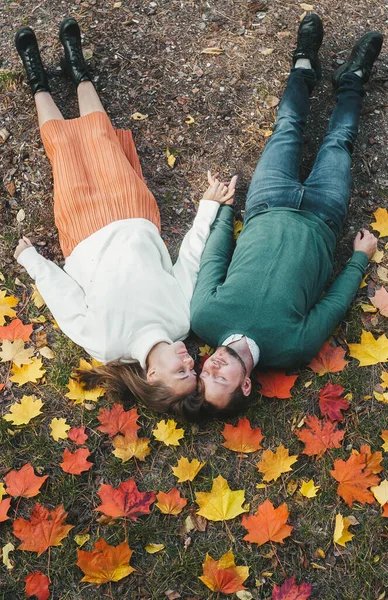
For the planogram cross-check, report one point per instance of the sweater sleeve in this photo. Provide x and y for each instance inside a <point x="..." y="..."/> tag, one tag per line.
<point x="63" y="296"/>
<point x="216" y="256"/>
<point x="329" y="311"/>
<point x="186" y="267"/>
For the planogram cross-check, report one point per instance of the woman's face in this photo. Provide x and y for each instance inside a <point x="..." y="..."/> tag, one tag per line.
<point x="175" y="368"/>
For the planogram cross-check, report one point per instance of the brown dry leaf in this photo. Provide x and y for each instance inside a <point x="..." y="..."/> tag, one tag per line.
<point x="266" y="51"/>
<point x="213" y="51"/>
<point x="380" y="301"/>
<point x="47" y="352"/>
<point x="136" y="116"/>
<point x="271" y="101"/>
<point x="382" y="273"/>
<point x="307" y="7"/>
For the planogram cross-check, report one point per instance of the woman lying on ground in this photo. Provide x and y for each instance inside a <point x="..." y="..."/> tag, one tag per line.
<point x="118" y="296"/>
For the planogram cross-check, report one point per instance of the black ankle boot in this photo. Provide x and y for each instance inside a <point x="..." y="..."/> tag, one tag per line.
<point x="73" y="62"/>
<point x="310" y="36"/>
<point x="362" y="57"/>
<point x="27" y="47"/>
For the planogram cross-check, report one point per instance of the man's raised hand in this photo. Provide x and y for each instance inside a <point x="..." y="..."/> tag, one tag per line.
<point x="218" y="191"/>
<point x="366" y="242"/>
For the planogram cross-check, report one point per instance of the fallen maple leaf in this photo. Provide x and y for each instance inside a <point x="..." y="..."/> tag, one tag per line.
<point x="223" y="575"/>
<point x="384" y="437"/>
<point x="77" y="435"/>
<point x="171" y="503"/>
<point x="5" y="552"/>
<point x="268" y="524"/>
<point x="36" y="297"/>
<point x="354" y="479"/>
<point x="37" y="584"/>
<point x="370" y="351"/>
<point x="242" y="438"/>
<point x="308" y="489"/>
<point x="105" y="563"/>
<point x="59" y="428"/>
<point x="6" y="304"/>
<point x="380" y="301"/>
<point x="372" y="459"/>
<point x="329" y="360"/>
<point x="4" y="508"/>
<point x="331" y="401"/>
<point x="79" y="394"/>
<point x="186" y="470"/>
<point x="380" y="492"/>
<point x="276" y="384"/>
<point x="117" y="420"/>
<point x="154" y="548"/>
<point x="76" y="463"/>
<point x="384" y="379"/>
<point x="16" y="352"/>
<point x="44" y="529"/>
<point x="131" y="446"/>
<point x="28" y="373"/>
<point x="341" y="530"/>
<point x="381" y="223"/>
<point x="221" y="503"/>
<point x="16" y="331"/>
<point x="21" y="413"/>
<point x="318" y="436"/>
<point x="125" y="501"/>
<point x="168" y="433"/>
<point x="272" y="465"/>
<point x="291" y="591"/>
<point x="24" y="482"/>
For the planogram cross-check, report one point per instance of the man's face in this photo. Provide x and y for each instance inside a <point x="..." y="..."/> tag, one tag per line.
<point x="221" y="375"/>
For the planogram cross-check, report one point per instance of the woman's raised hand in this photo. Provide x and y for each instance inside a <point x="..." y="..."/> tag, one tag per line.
<point x="218" y="191"/>
<point x="24" y="243"/>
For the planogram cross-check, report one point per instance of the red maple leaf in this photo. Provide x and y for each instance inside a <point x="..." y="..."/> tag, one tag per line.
<point x="329" y="360"/>
<point x="16" y="331"/>
<point x="319" y="436"/>
<point x="331" y="402"/>
<point x="24" y="482"/>
<point x="125" y="501"/>
<point x="276" y="384"/>
<point x="78" y="435"/>
<point x="76" y="463"/>
<point x="37" y="584"/>
<point x="289" y="590"/>
<point x="44" y="529"/>
<point x="118" y="420"/>
<point x="4" y="508"/>
<point x="354" y="479"/>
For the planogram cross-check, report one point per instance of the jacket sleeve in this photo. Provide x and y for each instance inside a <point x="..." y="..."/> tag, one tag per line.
<point x="217" y="255"/>
<point x="331" y="309"/>
<point x="63" y="296"/>
<point x="186" y="267"/>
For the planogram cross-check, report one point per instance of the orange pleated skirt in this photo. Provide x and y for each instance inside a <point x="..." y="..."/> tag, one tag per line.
<point x="97" y="177"/>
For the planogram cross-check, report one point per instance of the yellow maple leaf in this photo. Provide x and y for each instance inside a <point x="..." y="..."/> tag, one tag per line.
<point x="2" y="491"/>
<point x="309" y="489"/>
<point x="237" y="228"/>
<point x="221" y="503"/>
<point x="168" y="433"/>
<point x="370" y="351"/>
<point x="272" y="465"/>
<point x="384" y="437"/>
<point x="341" y="533"/>
<point x="6" y="304"/>
<point x="16" y="352"/>
<point x="186" y="470"/>
<point x="381" y="223"/>
<point x="363" y="281"/>
<point x="22" y="412"/>
<point x="384" y="379"/>
<point x="36" y="297"/>
<point x="130" y="446"/>
<point x="380" y="492"/>
<point x="78" y="393"/>
<point x="205" y="350"/>
<point x="153" y="548"/>
<point x="81" y="539"/>
<point x="28" y="373"/>
<point x="170" y="158"/>
<point x="378" y="256"/>
<point x="59" y="429"/>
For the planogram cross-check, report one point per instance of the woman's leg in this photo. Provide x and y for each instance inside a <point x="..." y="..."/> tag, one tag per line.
<point x="46" y="108"/>
<point x="88" y="100"/>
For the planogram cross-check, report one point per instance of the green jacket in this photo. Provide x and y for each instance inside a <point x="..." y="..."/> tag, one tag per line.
<point x="269" y="286"/>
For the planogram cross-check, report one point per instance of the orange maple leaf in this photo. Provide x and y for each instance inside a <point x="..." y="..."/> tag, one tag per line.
<point x="380" y="301"/>
<point x="354" y="479"/>
<point x="269" y="524"/>
<point x="289" y="590"/>
<point x="331" y="402"/>
<point x="125" y="501"/>
<point x="16" y="331"/>
<point x="105" y="563"/>
<point x="223" y="575"/>
<point x="276" y="384"/>
<point x="372" y="459"/>
<point x="4" y="508"/>
<point x="171" y="503"/>
<point x="44" y="529"/>
<point x="318" y="436"/>
<point x="242" y="438"/>
<point x="118" y="420"/>
<point x="24" y="482"/>
<point x="76" y="463"/>
<point x="78" y="435"/>
<point x="329" y="360"/>
<point x="37" y="584"/>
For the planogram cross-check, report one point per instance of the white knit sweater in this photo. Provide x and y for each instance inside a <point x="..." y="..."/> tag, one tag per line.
<point x="119" y="293"/>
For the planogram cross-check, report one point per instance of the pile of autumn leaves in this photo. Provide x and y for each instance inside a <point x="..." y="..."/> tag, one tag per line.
<point x="357" y="477"/>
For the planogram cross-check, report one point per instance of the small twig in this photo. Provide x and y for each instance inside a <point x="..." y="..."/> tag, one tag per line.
<point x="278" y="559"/>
